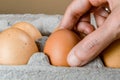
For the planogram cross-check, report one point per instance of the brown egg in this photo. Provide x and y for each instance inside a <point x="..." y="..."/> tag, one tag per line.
<point x="111" y="55"/>
<point x="16" y="47"/>
<point x="58" y="45"/>
<point x="28" y="28"/>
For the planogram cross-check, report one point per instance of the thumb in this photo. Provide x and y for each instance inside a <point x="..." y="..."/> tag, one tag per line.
<point x="94" y="43"/>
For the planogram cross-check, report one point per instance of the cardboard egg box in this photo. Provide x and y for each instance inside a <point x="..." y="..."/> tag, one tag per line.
<point x="38" y="67"/>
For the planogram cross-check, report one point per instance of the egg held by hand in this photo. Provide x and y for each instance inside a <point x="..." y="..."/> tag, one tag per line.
<point x="16" y="47"/>
<point x="58" y="45"/>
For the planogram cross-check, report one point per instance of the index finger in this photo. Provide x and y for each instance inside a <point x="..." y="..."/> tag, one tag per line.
<point x="73" y="13"/>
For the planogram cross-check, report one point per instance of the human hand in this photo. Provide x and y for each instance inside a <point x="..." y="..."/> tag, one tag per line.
<point x="77" y="17"/>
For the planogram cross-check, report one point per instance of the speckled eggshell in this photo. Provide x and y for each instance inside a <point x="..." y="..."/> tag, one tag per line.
<point x="16" y="47"/>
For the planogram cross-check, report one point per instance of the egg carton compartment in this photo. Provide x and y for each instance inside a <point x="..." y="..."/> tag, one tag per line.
<point x="38" y="67"/>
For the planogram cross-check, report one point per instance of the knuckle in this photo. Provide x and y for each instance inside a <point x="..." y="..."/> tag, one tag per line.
<point x="97" y="2"/>
<point x="89" y="45"/>
<point x="88" y="50"/>
<point x="82" y="57"/>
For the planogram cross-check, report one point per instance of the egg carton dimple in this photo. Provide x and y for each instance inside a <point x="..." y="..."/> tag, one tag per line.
<point x="38" y="67"/>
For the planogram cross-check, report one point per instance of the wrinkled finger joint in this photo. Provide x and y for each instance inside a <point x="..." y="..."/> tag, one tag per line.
<point x="91" y="44"/>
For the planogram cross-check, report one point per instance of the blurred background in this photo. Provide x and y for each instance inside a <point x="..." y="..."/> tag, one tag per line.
<point x="33" y="6"/>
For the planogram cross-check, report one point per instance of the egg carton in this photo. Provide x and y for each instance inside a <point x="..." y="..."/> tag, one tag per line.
<point x="38" y="67"/>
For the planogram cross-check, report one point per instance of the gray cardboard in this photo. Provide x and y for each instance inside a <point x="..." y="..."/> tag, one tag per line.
<point x="39" y="68"/>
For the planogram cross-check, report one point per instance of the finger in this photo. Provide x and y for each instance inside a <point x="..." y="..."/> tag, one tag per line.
<point x="85" y="28"/>
<point x="94" y="43"/>
<point x="100" y="16"/>
<point x="74" y="12"/>
<point x="89" y="47"/>
<point x="97" y="3"/>
<point x="84" y="25"/>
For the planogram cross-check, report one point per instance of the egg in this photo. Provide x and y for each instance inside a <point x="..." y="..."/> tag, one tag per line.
<point x="28" y="28"/>
<point x="16" y="47"/>
<point x="58" y="45"/>
<point x="111" y="55"/>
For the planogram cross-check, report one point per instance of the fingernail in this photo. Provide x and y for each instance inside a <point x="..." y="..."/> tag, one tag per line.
<point x="73" y="60"/>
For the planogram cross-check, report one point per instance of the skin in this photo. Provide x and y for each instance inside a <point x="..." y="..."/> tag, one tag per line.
<point x="77" y="17"/>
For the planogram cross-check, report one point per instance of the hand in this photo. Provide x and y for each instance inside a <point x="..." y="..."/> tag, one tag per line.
<point x="77" y="17"/>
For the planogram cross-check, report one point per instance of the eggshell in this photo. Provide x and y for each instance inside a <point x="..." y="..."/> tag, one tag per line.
<point x="111" y="55"/>
<point x="16" y="47"/>
<point x="58" y="45"/>
<point x="28" y="28"/>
